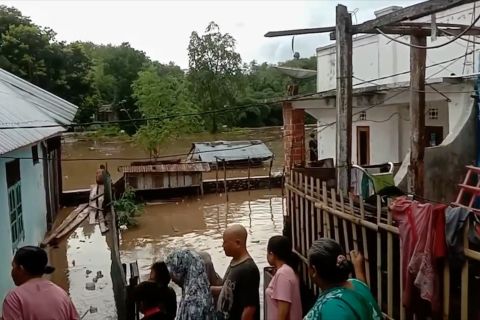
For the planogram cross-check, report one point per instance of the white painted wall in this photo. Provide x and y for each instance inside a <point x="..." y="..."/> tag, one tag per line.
<point x="375" y="56"/>
<point x="34" y="211"/>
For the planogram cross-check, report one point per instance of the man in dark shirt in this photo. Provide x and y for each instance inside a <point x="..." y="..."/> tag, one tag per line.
<point x="238" y="297"/>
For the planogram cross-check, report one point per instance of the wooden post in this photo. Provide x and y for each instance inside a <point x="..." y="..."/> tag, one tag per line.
<point x="270" y="174"/>
<point x="344" y="97"/>
<point x="417" y="115"/>
<point x="216" y="174"/>
<point x="225" y="178"/>
<point x="248" y="179"/>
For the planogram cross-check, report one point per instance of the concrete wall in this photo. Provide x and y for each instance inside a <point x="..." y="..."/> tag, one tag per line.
<point x="34" y="211"/>
<point x="445" y="164"/>
<point x="375" y="56"/>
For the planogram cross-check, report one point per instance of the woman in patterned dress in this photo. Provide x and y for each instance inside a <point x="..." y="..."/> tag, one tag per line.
<point x="187" y="270"/>
<point x="341" y="298"/>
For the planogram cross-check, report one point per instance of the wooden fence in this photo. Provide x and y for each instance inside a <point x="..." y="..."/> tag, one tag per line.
<point x="314" y="211"/>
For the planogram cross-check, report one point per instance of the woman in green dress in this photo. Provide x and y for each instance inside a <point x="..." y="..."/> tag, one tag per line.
<point x="341" y="298"/>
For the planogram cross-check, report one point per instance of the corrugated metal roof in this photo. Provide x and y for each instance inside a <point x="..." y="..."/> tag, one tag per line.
<point x="24" y="104"/>
<point x="176" y="167"/>
<point x="230" y="151"/>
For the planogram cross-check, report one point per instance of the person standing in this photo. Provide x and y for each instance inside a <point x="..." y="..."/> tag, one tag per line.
<point x="282" y="296"/>
<point x="238" y="298"/>
<point x="313" y="148"/>
<point x="341" y="298"/>
<point x="187" y="270"/>
<point x="35" y="298"/>
<point x="160" y="275"/>
<point x="149" y="296"/>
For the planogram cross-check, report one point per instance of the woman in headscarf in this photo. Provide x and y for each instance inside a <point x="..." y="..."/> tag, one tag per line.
<point x="187" y="270"/>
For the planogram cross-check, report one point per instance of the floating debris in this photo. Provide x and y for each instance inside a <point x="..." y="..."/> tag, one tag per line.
<point x="90" y="286"/>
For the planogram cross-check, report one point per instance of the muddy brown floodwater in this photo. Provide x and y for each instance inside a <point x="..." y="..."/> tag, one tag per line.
<point x="199" y="224"/>
<point x="117" y="152"/>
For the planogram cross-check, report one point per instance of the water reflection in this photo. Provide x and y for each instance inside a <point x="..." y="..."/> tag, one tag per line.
<point x="199" y="224"/>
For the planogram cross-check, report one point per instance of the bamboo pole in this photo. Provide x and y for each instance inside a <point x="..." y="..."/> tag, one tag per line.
<point x="379" y="254"/>
<point x="446" y="291"/>
<point x="320" y="230"/>
<point x="312" y="212"/>
<point x="296" y="217"/>
<point x="344" y="224"/>
<point x="354" y="227"/>
<point x="333" y="195"/>
<point x="302" y="220"/>
<point x="326" y="218"/>
<point x="464" y="283"/>
<point x="389" y="266"/>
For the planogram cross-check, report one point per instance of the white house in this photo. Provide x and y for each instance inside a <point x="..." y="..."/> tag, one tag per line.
<point x="30" y="172"/>
<point x="381" y="124"/>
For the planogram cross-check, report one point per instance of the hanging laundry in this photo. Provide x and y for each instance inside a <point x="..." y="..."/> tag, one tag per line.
<point x="455" y="219"/>
<point x="422" y="240"/>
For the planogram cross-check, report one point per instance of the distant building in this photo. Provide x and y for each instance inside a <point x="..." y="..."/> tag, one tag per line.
<point x="30" y="165"/>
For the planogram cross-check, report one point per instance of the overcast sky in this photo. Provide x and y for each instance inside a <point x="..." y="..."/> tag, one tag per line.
<point x="162" y="28"/>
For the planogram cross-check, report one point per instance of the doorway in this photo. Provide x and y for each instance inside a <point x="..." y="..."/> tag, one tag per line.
<point x="363" y="146"/>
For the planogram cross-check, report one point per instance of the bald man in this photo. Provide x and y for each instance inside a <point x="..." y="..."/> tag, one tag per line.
<point x="238" y="297"/>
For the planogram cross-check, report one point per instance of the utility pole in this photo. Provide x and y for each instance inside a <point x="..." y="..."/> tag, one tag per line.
<point x="343" y="33"/>
<point x="417" y="115"/>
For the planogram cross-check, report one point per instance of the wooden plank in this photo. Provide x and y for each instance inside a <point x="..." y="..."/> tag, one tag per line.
<point x="302" y="221"/>
<point x="417" y="116"/>
<point x="72" y="225"/>
<point x="410" y="13"/>
<point x="101" y="222"/>
<point x="295" y="32"/>
<point x="343" y="97"/>
<point x="71" y="217"/>
<point x="320" y="230"/>
<point x="93" y="204"/>
<point x="424" y="32"/>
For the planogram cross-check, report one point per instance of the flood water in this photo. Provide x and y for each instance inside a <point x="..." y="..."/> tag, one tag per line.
<point x="82" y="156"/>
<point x="198" y="223"/>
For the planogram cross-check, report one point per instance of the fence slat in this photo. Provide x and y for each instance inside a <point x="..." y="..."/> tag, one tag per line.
<point x="389" y="266"/>
<point x="326" y="221"/>
<point x="464" y="284"/>
<point x="302" y="221"/>
<point x="365" y="244"/>
<point x="333" y="195"/>
<point x="344" y="224"/>
<point x="312" y="212"/>
<point x="354" y="227"/>
<point x="379" y="254"/>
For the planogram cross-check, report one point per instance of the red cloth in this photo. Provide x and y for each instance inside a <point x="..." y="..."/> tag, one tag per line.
<point x="422" y="239"/>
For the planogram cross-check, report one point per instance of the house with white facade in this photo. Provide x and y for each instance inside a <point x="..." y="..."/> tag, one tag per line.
<point x="381" y="124"/>
<point x="30" y="171"/>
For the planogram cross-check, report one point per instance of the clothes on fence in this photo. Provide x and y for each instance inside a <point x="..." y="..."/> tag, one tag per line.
<point x="455" y="219"/>
<point x="422" y="236"/>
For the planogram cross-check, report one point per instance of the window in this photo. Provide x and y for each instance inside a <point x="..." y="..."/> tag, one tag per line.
<point x="35" y="154"/>
<point x="362" y="116"/>
<point x="15" y="201"/>
<point x="433" y="113"/>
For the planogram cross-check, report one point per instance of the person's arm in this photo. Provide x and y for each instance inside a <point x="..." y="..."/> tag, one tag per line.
<point x="358" y="265"/>
<point x="283" y="310"/>
<point x="249" y="313"/>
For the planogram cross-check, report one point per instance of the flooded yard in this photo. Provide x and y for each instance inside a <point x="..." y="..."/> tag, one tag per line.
<point x="192" y="222"/>
<point x="199" y="223"/>
<point x="82" y="155"/>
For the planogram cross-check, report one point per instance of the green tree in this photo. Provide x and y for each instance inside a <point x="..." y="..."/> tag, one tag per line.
<point x="214" y="72"/>
<point x="162" y="92"/>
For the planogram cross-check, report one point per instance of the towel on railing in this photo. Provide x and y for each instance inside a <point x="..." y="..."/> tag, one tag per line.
<point x="422" y="236"/>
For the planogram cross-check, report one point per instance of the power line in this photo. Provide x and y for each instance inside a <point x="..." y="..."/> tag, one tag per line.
<point x="456" y="37"/>
<point x="7" y="126"/>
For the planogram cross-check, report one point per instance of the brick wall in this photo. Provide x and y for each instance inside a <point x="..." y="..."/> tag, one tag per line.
<point x="294" y="136"/>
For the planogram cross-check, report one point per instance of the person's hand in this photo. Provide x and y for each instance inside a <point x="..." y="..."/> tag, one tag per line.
<point x="357" y="259"/>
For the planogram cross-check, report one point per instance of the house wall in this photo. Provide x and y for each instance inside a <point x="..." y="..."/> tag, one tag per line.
<point x="375" y="56"/>
<point x="34" y="210"/>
